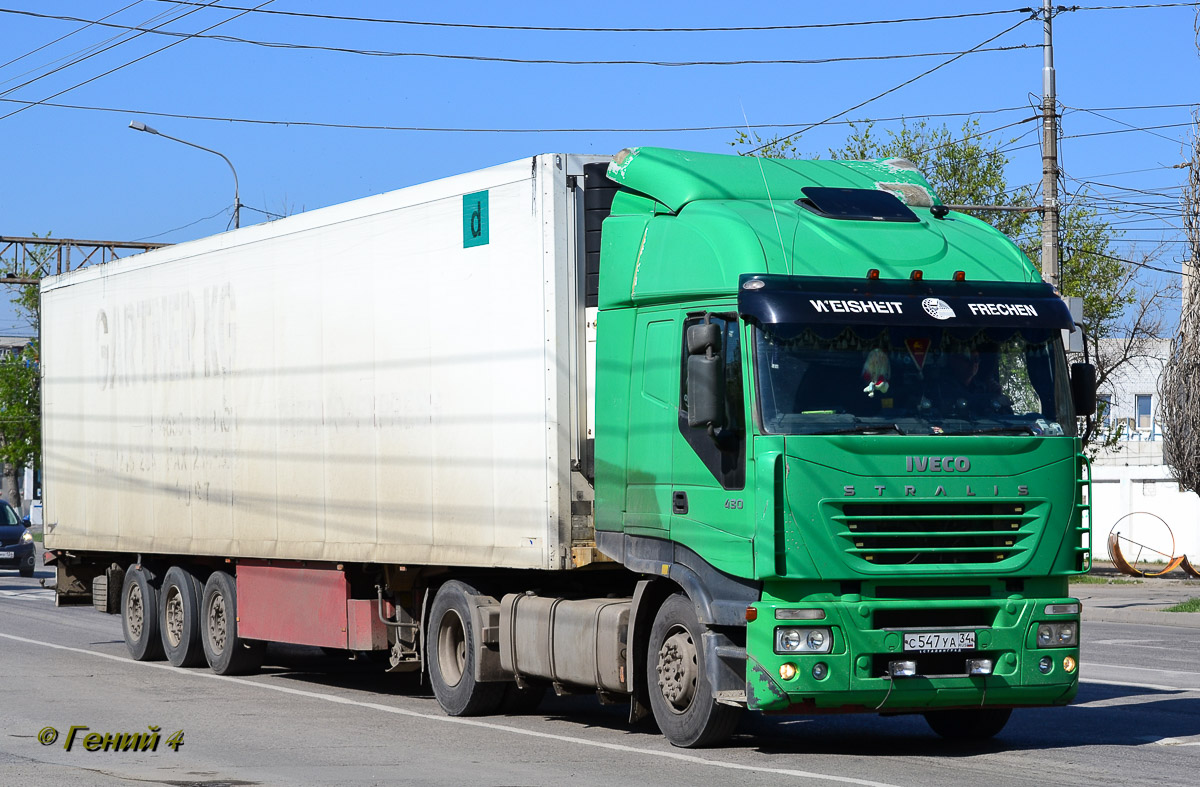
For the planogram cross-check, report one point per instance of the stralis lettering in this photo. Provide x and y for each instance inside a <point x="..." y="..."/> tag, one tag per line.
<point x="1022" y="490"/>
<point x="858" y="307"/>
<point x="1003" y="309"/>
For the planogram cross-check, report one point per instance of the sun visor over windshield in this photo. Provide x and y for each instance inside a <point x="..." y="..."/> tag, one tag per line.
<point x="788" y="299"/>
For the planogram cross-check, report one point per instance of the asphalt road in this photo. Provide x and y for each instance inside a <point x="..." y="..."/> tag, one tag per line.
<point x="311" y="719"/>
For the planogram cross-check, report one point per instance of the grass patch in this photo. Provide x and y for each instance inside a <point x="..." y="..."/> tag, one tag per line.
<point x="1191" y="605"/>
<point x="37" y="537"/>
<point x="1092" y="579"/>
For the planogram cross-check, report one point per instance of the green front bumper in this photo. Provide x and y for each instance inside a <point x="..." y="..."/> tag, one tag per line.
<point x="868" y="634"/>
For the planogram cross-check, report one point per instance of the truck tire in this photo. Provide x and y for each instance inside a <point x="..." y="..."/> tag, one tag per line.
<point x="451" y="655"/>
<point x="139" y="615"/>
<point x="227" y="653"/>
<point x="680" y="694"/>
<point x="179" y="617"/>
<point x="971" y="724"/>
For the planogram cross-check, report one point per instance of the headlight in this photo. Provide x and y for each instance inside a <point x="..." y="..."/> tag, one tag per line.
<point x="803" y="640"/>
<point x="27" y="537"/>
<point x="1057" y="635"/>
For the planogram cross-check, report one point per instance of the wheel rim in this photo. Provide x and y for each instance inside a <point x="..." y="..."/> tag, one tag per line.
<point x="216" y="623"/>
<point x="174" y="616"/>
<point x="134" y="614"/>
<point x="451" y="648"/>
<point x="678" y="669"/>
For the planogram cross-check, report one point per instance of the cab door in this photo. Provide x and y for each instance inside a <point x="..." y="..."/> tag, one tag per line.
<point x="712" y="508"/>
<point x="653" y="420"/>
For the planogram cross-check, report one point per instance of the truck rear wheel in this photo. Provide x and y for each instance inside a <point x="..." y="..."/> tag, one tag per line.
<point x="971" y="724"/>
<point x="227" y="653"/>
<point x="680" y="694"/>
<point x="451" y="655"/>
<point x="139" y="615"/>
<point x="179" y="617"/>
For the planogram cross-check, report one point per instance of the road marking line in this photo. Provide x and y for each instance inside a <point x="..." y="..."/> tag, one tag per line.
<point x="1143" y="669"/>
<point x="36" y="594"/>
<point x="1155" y="686"/>
<point x="672" y="755"/>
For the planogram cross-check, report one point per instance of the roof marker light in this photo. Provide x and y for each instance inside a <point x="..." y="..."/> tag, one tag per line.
<point x="916" y="276"/>
<point x="873" y="274"/>
<point x="960" y="275"/>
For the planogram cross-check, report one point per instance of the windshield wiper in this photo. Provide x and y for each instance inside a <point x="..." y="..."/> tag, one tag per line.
<point x="1007" y="429"/>
<point x="865" y="429"/>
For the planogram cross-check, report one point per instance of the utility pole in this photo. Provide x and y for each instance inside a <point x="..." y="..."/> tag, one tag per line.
<point x="1051" y="271"/>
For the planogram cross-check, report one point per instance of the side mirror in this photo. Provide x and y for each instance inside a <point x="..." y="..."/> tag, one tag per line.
<point x="706" y="391"/>
<point x="705" y="376"/>
<point x="1083" y="388"/>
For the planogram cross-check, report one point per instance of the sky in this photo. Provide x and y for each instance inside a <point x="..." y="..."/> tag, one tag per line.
<point x="335" y="109"/>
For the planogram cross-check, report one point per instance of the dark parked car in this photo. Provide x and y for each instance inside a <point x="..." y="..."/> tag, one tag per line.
<point x="16" y="542"/>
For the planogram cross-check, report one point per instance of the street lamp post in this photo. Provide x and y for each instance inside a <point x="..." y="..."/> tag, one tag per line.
<point x="237" y="201"/>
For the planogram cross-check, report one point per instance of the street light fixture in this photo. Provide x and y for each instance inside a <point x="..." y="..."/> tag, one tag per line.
<point x="137" y="125"/>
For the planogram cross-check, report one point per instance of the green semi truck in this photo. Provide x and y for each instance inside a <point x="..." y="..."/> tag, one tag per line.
<point x="698" y="433"/>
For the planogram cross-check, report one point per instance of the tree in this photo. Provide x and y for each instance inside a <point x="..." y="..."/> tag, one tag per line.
<point x="20" y="379"/>
<point x="1179" y="387"/>
<point x="1123" y="314"/>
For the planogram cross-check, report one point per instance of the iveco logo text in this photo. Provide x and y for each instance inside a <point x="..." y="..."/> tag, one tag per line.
<point x="937" y="464"/>
<point x="858" y="307"/>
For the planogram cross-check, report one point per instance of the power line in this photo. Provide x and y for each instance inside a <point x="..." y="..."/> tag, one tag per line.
<point x="67" y="35"/>
<point x="1128" y="125"/>
<point x="124" y="65"/>
<point x="907" y="82"/>
<point x="526" y="61"/>
<point x="1135" y="263"/>
<point x="1126" y="7"/>
<point x="96" y="50"/>
<point x="471" y="26"/>
<point x="470" y="129"/>
<point x="192" y="224"/>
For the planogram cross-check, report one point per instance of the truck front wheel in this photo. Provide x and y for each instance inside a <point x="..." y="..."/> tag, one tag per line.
<point x="227" y="653"/>
<point x="451" y="655"/>
<point x="971" y="724"/>
<point x="139" y="615"/>
<point x="680" y="694"/>
<point x="179" y="617"/>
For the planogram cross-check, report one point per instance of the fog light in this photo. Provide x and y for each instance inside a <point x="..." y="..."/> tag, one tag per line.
<point x="1045" y="664"/>
<point x="902" y="669"/>
<point x="980" y="666"/>
<point x="820" y="670"/>
<point x="1069" y="664"/>
<point x="787" y="671"/>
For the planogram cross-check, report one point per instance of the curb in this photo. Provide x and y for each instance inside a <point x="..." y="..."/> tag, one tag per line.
<point x="1146" y="617"/>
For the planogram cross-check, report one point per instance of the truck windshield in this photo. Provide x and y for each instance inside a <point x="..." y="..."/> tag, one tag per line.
<point x="837" y="379"/>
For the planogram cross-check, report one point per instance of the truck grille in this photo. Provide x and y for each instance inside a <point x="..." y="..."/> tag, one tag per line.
<point x="927" y="534"/>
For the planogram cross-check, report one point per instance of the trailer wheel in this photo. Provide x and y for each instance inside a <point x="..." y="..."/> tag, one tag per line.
<point x="680" y="694"/>
<point x="179" y="617"/>
<point x="451" y="655"/>
<point x="971" y="724"/>
<point x="227" y="653"/>
<point x="139" y="615"/>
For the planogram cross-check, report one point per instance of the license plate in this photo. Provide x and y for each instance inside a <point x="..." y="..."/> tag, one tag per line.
<point x="940" y="641"/>
<point x="8" y="555"/>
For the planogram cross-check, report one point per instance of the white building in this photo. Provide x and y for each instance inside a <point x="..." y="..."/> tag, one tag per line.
<point x="1132" y="488"/>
